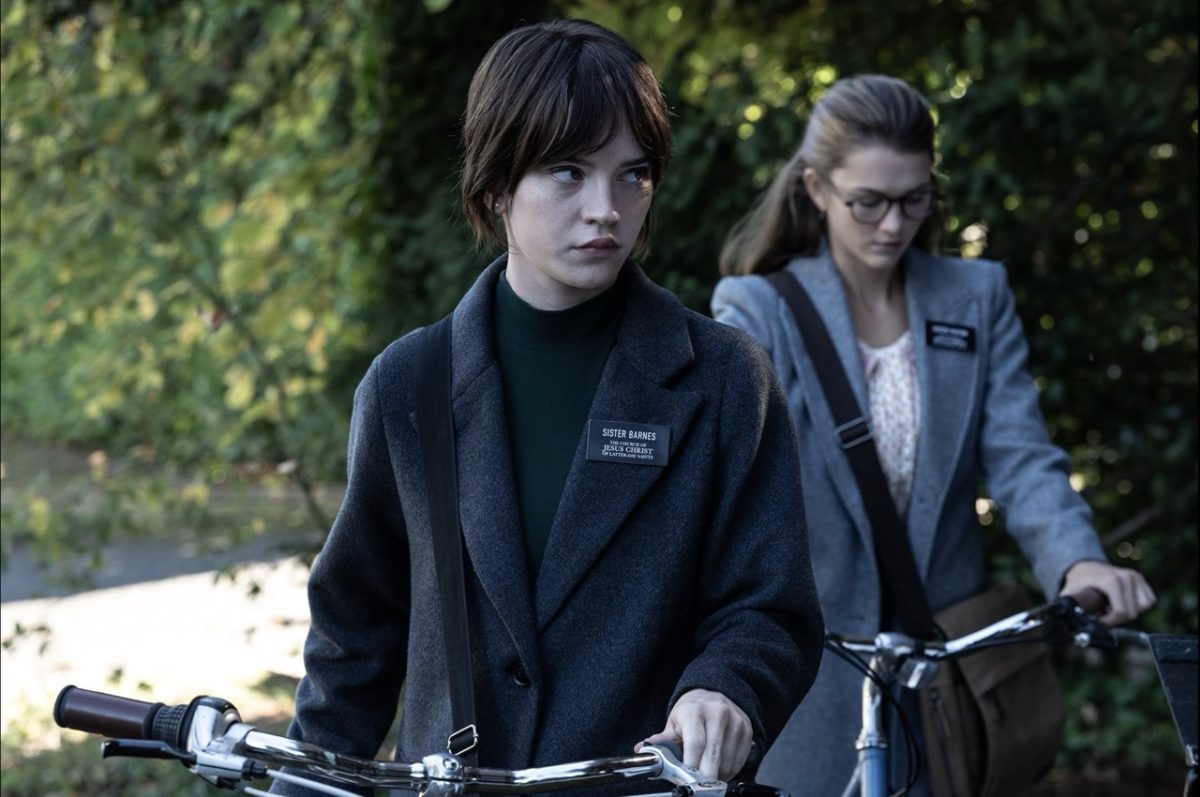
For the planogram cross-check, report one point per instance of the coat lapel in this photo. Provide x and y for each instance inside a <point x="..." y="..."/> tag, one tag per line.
<point x="820" y="278"/>
<point x="653" y="345"/>
<point x="487" y="498"/>
<point x="948" y="381"/>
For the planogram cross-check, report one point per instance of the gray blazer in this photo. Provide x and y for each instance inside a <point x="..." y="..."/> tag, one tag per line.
<point x="655" y="581"/>
<point x="979" y="421"/>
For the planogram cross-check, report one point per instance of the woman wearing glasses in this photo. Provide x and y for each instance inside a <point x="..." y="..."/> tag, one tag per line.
<point x="935" y="356"/>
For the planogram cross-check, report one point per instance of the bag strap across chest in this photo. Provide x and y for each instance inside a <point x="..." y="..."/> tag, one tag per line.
<point x="435" y="428"/>
<point x="893" y="554"/>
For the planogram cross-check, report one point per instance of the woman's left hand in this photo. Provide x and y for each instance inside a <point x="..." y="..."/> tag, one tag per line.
<point x="1127" y="591"/>
<point x="715" y="734"/>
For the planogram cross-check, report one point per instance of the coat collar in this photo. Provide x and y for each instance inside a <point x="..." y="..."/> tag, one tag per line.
<point x="653" y="347"/>
<point x="653" y="339"/>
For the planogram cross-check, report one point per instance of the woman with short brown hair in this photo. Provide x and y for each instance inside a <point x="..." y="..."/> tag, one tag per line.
<point x="629" y="491"/>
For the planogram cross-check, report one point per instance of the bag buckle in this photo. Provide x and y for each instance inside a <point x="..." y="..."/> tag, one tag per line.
<point x="467" y="732"/>
<point x="853" y="433"/>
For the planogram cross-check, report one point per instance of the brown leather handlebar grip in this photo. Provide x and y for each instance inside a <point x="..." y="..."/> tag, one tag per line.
<point x="104" y="714"/>
<point x="1091" y="600"/>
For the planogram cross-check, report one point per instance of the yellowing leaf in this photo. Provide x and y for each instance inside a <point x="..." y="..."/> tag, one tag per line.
<point x="102" y="402"/>
<point x="195" y="493"/>
<point x="239" y="387"/>
<point x="301" y="318"/>
<point x="294" y="387"/>
<point x="240" y="273"/>
<point x="39" y="515"/>
<point x="216" y="215"/>
<point x="147" y="305"/>
<point x="150" y="381"/>
<point x="315" y="347"/>
<point x="98" y="463"/>
<point x="189" y="331"/>
<point x="56" y="330"/>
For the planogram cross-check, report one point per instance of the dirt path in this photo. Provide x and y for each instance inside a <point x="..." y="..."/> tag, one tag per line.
<point x="166" y="639"/>
<point x="152" y="618"/>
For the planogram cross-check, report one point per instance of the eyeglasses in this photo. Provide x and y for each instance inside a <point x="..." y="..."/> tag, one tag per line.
<point x="872" y="207"/>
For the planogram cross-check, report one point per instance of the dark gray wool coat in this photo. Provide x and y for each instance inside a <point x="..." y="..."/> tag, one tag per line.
<point x="656" y="580"/>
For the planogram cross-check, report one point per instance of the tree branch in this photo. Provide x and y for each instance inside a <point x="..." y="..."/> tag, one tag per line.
<point x="1137" y="522"/>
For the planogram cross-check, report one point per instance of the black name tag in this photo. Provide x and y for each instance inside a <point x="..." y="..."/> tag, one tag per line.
<point x="941" y="335"/>
<point x="632" y="443"/>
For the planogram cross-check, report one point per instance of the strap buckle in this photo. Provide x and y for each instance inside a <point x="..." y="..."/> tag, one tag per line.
<point x="467" y="732"/>
<point x="853" y="433"/>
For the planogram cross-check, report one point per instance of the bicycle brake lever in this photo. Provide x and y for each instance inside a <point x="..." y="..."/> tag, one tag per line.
<point x="1086" y="630"/>
<point x="689" y="782"/>
<point x="139" y="748"/>
<point x="917" y="673"/>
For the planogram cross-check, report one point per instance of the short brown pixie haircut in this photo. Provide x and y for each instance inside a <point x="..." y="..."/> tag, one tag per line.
<point x="547" y="92"/>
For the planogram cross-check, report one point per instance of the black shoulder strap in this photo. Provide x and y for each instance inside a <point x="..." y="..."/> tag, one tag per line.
<point x="897" y="566"/>
<point x="435" y="427"/>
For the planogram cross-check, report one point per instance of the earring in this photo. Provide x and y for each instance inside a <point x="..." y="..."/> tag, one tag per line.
<point x="498" y="206"/>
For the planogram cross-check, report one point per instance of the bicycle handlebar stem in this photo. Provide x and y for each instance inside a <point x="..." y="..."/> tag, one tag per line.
<point x="872" y="743"/>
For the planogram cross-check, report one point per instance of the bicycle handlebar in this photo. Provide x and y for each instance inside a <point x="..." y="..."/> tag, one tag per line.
<point x="1077" y="612"/>
<point x="208" y="736"/>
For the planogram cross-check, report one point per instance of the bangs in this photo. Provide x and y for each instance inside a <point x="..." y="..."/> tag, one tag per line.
<point x="574" y="122"/>
<point x="586" y="96"/>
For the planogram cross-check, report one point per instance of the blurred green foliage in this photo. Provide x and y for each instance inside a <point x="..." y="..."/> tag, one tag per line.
<point x="76" y="768"/>
<point x="215" y="214"/>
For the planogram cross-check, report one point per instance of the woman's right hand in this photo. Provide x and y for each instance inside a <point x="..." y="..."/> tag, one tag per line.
<point x="1127" y="591"/>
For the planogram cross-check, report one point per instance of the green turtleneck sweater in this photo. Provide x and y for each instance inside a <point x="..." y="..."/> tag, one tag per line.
<point x="550" y="364"/>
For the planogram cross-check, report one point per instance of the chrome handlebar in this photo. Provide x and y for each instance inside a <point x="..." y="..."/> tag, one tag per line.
<point x="900" y="649"/>
<point x="445" y="774"/>
<point x="210" y="739"/>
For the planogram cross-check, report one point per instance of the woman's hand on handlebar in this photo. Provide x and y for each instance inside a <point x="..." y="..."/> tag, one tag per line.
<point x="1127" y="592"/>
<point x="715" y="734"/>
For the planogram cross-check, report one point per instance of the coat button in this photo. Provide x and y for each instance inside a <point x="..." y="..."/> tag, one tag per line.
<point x="520" y="675"/>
